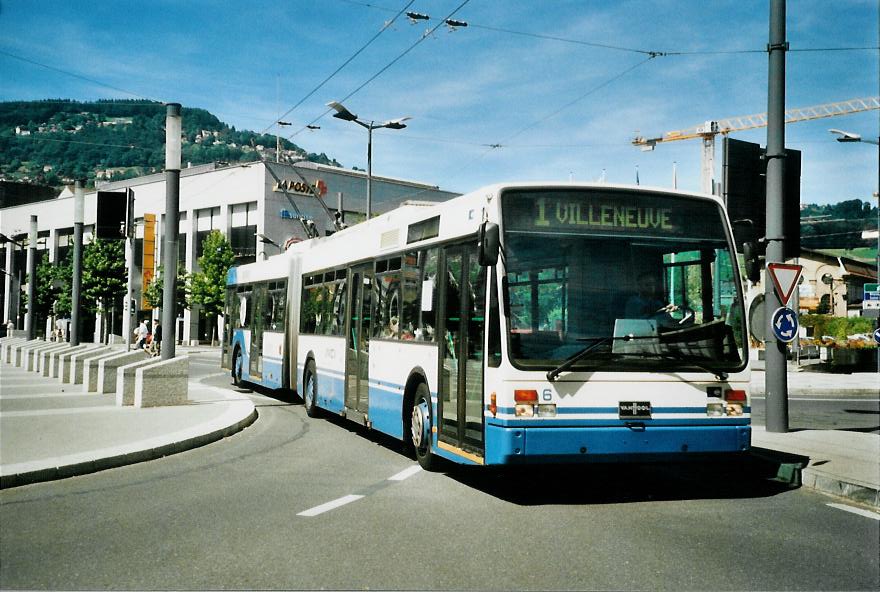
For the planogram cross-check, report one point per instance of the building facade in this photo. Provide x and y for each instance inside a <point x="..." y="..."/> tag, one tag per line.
<point x="258" y="206"/>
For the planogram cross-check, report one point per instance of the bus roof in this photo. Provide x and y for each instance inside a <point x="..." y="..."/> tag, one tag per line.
<point x="388" y="232"/>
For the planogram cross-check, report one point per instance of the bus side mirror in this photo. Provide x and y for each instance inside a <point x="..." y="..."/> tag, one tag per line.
<point x="752" y="261"/>
<point x="488" y="244"/>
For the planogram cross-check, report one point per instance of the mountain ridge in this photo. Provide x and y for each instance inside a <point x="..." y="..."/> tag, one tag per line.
<point x="55" y="141"/>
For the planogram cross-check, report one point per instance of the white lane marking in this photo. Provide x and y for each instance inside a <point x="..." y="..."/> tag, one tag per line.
<point x="406" y="473"/>
<point x="854" y="510"/>
<point x="330" y="505"/>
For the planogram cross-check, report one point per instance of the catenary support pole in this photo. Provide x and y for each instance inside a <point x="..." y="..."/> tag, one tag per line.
<point x="29" y="327"/>
<point x="776" y="377"/>
<point x="369" y="170"/>
<point x="76" y="283"/>
<point x="173" y="125"/>
<point x="127" y="305"/>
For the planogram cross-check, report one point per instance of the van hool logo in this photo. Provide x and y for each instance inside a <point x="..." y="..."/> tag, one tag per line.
<point x="319" y="187"/>
<point x="635" y="409"/>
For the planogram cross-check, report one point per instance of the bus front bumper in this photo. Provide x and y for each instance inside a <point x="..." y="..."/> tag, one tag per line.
<point x="523" y="445"/>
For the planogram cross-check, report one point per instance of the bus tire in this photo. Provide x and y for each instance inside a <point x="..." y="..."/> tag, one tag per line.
<point x="236" y="367"/>
<point x="420" y="429"/>
<point x="310" y="390"/>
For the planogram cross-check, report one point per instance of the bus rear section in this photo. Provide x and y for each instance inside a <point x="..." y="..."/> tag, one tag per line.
<point x="257" y="340"/>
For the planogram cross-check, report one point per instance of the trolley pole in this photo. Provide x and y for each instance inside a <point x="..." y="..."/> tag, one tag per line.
<point x="173" y="125"/>
<point x="76" y="282"/>
<point x="776" y="377"/>
<point x="32" y="280"/>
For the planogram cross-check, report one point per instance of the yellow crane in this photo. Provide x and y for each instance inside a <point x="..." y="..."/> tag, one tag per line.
<point x="708" y="130"/>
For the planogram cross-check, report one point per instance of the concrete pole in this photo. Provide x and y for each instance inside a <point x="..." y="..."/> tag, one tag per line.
<point x="8" y="296"/>
<point x="76" y="283"/>
<point x="127" y="309"/>
<point x="32" y="279"/>
<point x="173" y="128"/>
<point x="776" y="376"/>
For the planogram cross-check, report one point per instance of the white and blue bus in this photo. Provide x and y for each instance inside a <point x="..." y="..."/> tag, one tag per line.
<point x="518" y="323"/>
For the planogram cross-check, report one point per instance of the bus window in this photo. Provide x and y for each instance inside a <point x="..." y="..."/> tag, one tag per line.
<point x="244" y="313"/>
<point x="387" y="296"/>
<point x="310" y="309"/>
<point x="337" y="326"/>
<point x="275" y="306"/>
<point x="428" y="297"/>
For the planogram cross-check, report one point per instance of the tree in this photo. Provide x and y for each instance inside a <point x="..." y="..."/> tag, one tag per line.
<point x="52" y="289"/>
<point x="154" y="292"/>
<point x="208" y="286"/>
<point x="104" y="275"/>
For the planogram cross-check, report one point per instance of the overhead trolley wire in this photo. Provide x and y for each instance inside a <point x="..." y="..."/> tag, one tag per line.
<point x="79" y="76"/>
<point x="383" y="69"/>
<point x="343" y="65"/>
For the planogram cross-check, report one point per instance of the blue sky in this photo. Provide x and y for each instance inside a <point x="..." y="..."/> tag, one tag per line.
<point x="533" y="77"/>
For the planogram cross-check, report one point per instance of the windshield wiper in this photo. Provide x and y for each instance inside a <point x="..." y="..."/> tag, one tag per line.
<point x="570" y="361"/>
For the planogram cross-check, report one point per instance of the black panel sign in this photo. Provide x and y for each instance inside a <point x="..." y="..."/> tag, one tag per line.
<point x="634" y="410"/>
<point x="110" y="215"/>
<point x="611" y="212"/>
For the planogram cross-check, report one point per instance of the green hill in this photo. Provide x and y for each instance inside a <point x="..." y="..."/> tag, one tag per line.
<point x="54" y="142"/>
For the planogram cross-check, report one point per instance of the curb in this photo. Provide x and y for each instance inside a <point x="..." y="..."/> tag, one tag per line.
<point x="853" y="491"/>
<point x="794" y="470"/>
<point x="62" y="471"/>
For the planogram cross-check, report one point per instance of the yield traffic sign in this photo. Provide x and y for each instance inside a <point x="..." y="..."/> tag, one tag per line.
<point x="785" y="277"/>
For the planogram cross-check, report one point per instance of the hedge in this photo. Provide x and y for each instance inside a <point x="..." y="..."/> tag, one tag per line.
<point x="837" y="327"/>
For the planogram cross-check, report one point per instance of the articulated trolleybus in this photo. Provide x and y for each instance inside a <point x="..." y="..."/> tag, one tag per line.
<point x="519" y="323"/>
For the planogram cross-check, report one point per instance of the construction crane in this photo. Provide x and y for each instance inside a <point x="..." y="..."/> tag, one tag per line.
<point x="710" y="129"/>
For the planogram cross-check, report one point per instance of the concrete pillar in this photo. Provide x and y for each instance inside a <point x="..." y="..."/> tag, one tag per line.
<point x="7" y="284"/>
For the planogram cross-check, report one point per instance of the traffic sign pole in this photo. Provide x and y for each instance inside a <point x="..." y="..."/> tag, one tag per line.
<point x="776" y="351"/>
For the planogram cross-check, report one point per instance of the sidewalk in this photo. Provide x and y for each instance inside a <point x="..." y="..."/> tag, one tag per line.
<point x="50" y="430"/>
<point x="839" y="462"/>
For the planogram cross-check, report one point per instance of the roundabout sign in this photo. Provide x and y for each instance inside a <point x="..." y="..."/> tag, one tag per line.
<point x="785" y="324"/>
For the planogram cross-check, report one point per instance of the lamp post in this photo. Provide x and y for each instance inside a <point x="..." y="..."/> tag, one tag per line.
<point x="173" y="128"/>
<point x="76" y="279"/>
<point x="266" y="240"/>
<point x="852" y="137"/>
<point x="278" y="140"/>
<point x="346" y="115"/>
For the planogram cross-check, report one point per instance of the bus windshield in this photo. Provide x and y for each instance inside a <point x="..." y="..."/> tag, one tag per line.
<point x="645" y="281"/>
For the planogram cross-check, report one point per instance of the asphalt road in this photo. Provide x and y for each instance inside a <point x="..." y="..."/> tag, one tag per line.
<point x="297" y="503"/>
<point x="858" y="414"/>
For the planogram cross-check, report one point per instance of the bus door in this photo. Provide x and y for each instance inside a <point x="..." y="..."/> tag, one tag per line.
<point x="258" y="306"/>
<point x="461" y="385"/>
<point x="357" y="367"/>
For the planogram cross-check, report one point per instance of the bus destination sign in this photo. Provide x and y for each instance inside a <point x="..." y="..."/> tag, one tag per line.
<point x="608" y="212"/>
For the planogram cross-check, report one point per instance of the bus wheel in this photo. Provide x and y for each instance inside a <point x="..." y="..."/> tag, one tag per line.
<point x="310" y="390"/>
<point x="236" y="368"/>
<point x="420" y="431"/>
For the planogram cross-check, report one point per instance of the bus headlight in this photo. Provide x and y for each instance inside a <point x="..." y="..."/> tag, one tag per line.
<point x="715" y="409"/>
<point x="547" y="410"/>
<point x="525" y="410"/>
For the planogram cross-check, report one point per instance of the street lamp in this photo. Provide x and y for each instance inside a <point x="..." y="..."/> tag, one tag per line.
<point x="852" y="137"/>
<point x="278" y="140"/>
<point x="266" y="240"/>
<point x="346" y="115"/>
